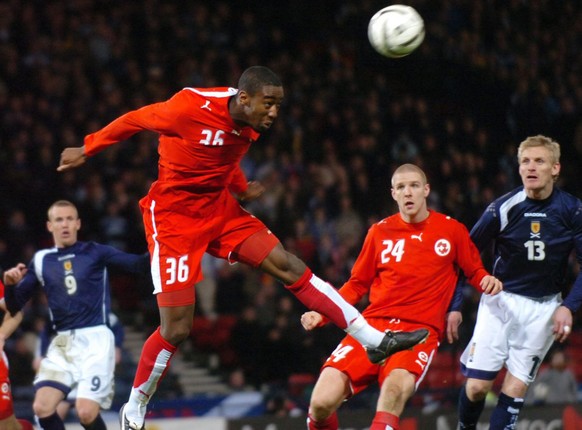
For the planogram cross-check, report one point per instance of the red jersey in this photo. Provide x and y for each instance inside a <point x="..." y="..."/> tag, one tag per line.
<point x="6" y="406"/>
<point x="410" y="270"/>
<point x="200" y="146"/>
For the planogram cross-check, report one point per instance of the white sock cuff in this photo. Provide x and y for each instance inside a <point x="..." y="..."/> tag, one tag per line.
<point x="356" y="325"/>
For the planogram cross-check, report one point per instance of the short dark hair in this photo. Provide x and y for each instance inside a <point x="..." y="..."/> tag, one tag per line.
<point x="255" y="78"/>
<point x="407" y="168"/>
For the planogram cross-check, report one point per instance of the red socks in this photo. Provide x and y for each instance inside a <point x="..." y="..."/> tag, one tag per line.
<point x="384" y="419"/>
<point x="25" y="425"/>
<point x="154" y="362"/>
<point x="318" y="296"/>
<point x="330" y="423"/>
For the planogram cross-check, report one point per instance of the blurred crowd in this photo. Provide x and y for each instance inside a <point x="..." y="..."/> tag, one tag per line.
<point x="489" y="74"/>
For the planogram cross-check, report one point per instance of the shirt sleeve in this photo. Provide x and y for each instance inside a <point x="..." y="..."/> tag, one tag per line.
<point x="469" y="259"/>
<point x="362" y="276"/>
<point x="573" y="300"/>
<point x="44" y="339"/>
<point x="486" y="229"/>
<point x="133" y="263"/>
<point x="163" y="118"/>
<point x="457" y="300"/>
<point x="238" y="181"/>
<point x="17" y="295"/>
<point x="363" y="272"/>
<point x="117" y="328"/>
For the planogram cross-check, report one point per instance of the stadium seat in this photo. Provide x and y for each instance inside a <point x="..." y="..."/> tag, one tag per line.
<point x="444" y="360"/>
<point x="575" y="339"/>
<point x="298" y="382"/>
<point x="441" y="378"/>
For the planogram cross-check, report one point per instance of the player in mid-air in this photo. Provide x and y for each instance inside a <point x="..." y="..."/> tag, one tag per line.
<point x="534" y="229"/>
<point x="190" y="210"/>
<point x="9" y="324"/>
<point x="408" y="266"/>
<point x="74" y="276"/>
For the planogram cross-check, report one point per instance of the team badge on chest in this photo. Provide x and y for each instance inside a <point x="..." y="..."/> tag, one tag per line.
<point x="442" y="247"/>
<point x="535" y="228"/>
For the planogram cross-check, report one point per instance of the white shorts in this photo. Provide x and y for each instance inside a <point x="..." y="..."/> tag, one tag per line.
<point x="81" y="359"/>
<point x="513" y="330"/>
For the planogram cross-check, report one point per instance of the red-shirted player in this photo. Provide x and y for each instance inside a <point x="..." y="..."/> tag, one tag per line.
<point x="408" y="265"/>
<point x="190" y="210"/>
<point x="7" y="419"/>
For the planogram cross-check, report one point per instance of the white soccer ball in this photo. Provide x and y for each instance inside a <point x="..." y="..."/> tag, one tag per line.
<point x="396" y="30"/>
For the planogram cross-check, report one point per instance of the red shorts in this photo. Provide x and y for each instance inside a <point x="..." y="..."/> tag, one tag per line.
<point x="6" y="405"/>
<point x="350" y="357"/>
<point x="180" y="229"/>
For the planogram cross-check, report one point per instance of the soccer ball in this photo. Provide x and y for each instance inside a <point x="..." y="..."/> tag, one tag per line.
<point x="396" y="30"/>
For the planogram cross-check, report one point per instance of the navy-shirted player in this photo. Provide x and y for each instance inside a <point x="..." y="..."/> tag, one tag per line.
<point x="46" y="336"/>
<point x="74" y="277"/>
<point x="534" y="229"/>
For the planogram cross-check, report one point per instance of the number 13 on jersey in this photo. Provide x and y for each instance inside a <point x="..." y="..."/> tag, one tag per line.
<point x="535" y="250"/>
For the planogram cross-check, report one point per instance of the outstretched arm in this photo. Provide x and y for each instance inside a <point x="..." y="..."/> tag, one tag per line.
<point x="13" y="275"/>
<point x="168" y="118"/>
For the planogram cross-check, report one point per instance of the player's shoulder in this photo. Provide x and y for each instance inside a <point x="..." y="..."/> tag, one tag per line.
<point x="440" y="216"/>
<point x="515" y="196"/>
<point x="566" y="203"/>
<point x="42" y="253"/>
<point x="209" y="93"/>
<point x="94" y="247"/>
<point x="88" y="249"/>
<point x="566" y="199"/>
<point x="444" y="220"/>
<point x="385" y="222"/>
<point x="82" y="245"/>
<point x="506" y="202"/>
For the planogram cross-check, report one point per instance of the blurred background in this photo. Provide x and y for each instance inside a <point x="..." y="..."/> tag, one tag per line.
<point x="489" y="74"/>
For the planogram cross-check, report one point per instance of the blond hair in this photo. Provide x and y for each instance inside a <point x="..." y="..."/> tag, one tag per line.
<point x="540" y="140"/>
<point x="60" y="204"/>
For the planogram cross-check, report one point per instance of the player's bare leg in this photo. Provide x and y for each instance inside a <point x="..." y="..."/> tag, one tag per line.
<point x="331" y="389"/>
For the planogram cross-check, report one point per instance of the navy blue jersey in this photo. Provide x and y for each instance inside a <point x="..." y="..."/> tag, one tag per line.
<point x="75" y="281"/>
<point x="532" y="241"/>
